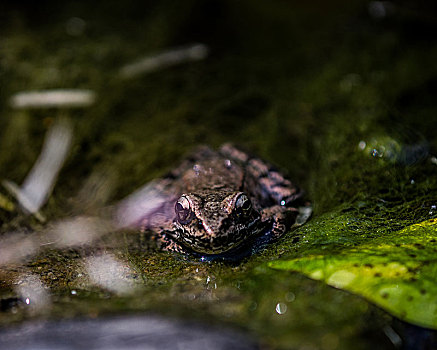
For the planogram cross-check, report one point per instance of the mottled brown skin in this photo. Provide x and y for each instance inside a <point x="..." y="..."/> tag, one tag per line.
<point x="218" y="200"/>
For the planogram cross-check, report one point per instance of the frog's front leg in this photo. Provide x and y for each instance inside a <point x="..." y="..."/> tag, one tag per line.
<point x="167" y="243"/>
<point x="283" y="218"/>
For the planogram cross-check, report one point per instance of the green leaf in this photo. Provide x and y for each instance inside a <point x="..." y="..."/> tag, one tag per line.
<point x="399" y="276"/>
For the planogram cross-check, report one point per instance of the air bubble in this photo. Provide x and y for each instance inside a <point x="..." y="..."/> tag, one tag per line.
<point x="281" y="308"/>
<point x="290" y="296"/>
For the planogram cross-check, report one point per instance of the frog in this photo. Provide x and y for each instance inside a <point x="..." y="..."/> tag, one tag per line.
<point x="220" y="201"/>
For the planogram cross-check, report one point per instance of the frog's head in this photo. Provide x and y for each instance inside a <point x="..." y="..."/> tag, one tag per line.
<point x="213" y="222"/>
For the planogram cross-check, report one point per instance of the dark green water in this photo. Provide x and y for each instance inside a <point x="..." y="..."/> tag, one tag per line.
<point x="336" y="94"/>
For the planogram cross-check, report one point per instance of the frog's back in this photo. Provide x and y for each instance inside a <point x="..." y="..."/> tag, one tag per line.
<point x="232" y="169"/>
<point x="206" y="169"/>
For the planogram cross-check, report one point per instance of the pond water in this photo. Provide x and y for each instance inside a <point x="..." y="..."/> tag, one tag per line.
<point x="341" y="96"/>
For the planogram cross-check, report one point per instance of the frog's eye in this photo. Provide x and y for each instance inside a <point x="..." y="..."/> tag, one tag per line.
<point x="183" y="211"/>
<point x="243" y="205"/>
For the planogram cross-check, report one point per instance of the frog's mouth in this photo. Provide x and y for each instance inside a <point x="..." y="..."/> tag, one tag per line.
<point x="231" y="236"/>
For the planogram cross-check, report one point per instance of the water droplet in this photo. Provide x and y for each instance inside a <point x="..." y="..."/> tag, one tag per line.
<point x="290" y="296"/>
<point x="281" y="308"/>
<point x="412" y="182"/>
<point x="73" y="292"/>
<point x="27" y="301"/>
<point x="282" y="202"/>
<point x="197" y="169"/>
<point x="362" y="145"/>
<point x="377" y="153"/>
